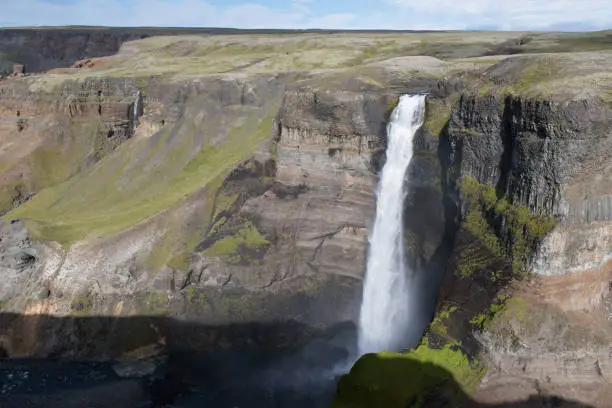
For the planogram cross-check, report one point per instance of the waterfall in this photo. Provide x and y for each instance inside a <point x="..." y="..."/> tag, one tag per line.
<point x="136" y="112"/>
<point x="385" y="321"/>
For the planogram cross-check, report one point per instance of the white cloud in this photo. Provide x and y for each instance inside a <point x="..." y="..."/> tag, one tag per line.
<point x="521" y="14"/>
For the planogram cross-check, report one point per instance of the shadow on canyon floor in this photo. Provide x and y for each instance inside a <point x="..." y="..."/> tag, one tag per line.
<point x="173" y="363"/>
<point x="276" y="364"/>
<point x="377" y="381"/>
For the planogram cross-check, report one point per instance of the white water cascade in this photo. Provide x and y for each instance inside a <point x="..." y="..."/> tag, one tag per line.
<point x="136" y="112"/>
<point x="385" y="319"/>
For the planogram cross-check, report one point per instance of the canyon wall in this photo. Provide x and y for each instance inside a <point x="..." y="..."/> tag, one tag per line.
<point x="507" y="209"/>
<point x="529" y="271"/>
<point x="48" y="137"/>
<point x="225" y="212"/>
<point x="44" y="49"/>
<point x="277" y="234"/>
<point x="229" y="200"/>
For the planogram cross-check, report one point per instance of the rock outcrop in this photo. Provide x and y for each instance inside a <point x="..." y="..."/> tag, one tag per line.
<point x="18" y="69"/>
<point x="533" y="161"/>
<point x="48" y="137"/>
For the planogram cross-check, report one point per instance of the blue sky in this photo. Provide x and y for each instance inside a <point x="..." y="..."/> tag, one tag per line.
<point x="571" y="15"/>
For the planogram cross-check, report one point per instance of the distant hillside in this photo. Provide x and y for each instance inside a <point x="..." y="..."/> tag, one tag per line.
<point x="44" y="48"/>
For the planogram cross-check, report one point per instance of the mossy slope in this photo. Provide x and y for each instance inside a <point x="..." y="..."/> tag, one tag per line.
<point x="144" y="177"/>
<point x="67" y="149"/>
<point x="562" y="76"/>
<point x="397" y="380"/>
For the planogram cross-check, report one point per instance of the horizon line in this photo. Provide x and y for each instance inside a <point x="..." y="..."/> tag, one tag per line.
<point x="297" y="30"/>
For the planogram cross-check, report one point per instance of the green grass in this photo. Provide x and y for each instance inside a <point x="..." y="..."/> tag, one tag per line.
<point x="162" y="252"/>
<point x="514" y="308"/>
<point x="9" y="191"/>
<point x="438" y="324"/>
<point x="547" y="76"/>
<point x="186" y="55"/>
<point x="537" y="71"/>
<point x="437" y="114"/>
<point x="482" y="320"/>
<point x="246" y="237"/>
<point x="224" y="201"/>
<point x="60" y="156"/>
<point x="391" y="105"/>
<point x="465" y="372"/>
<point x="394" y="380"/>
<point x="55" y="162"/>
<point x="124" y="189"/>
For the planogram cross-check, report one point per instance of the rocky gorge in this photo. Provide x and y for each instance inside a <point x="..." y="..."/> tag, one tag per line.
<point x="197" y="231"/>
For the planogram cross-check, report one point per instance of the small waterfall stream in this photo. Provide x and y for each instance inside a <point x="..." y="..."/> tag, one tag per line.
<point x="136" y="113"/>
<point x="385" y="320"/>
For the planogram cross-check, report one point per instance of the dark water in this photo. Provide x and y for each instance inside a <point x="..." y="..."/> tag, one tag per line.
<point x="40" y="377"/>
<point x="305" y="378"/>
<point x="299" y="378"/>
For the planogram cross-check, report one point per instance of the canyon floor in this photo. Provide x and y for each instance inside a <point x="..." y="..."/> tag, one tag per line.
<point x="185" y="215"/>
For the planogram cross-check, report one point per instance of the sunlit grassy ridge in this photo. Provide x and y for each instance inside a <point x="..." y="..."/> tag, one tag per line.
<point x="561" y="60"/>
<point x="575" y="75"/>
<point x="196" y="55"/>
<point x="57" y="155"/>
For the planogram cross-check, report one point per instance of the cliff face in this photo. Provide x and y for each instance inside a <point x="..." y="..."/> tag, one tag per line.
<point x="507" y="209"/>
<point x="279" y="235"/>
<point x="260" y="215"/>
<point x="45" y="49"/>
<point x="527" y="177"/>
<point x="530" y="149"/>
<point x="49" y="137"/>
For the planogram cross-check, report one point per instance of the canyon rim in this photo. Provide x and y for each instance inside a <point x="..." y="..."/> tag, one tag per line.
<point x="186" y="216"/>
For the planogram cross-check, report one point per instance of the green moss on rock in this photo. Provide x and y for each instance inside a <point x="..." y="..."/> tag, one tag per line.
<point x="391" y="105"/>
<point x="437" y="115"/>
<point x="395" y="380"/>
<point x="498" y="238"/>
<point x="196" y="298"/>
<point x="232" y="248"/>
<point x="110" y="197"/>
<point x="512" y="245"/>
<point x="504" y="310"/>
<point x="537" y="70"/>
<point x="438" y="326"/>
<point x="482" y="320"/>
